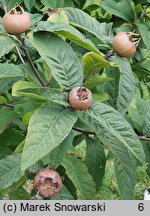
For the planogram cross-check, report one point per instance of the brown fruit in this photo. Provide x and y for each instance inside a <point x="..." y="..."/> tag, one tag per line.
<point x="80" y="98"/>
<point x="16" y="22"/>
<point x="47" y="182"/>
<point x="124" y="45"/>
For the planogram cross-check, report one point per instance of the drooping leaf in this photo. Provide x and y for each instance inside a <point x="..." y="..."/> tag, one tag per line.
<point x="2" y="100"/>
<point x="95" y="160"/>
<point x="64" y="194"/>
<point x="7" y="115"/>
<point x="126" y="178"/>
<point x="100" y="96"/>
<point x="5" y="151"/>
<point x="78" y="173"/>
<point x="93" y="63"/>
<point x="122" y="88"/>
<point x="92" y="82"/>
<point x="29" y="4"/>
<point x="10" y="171"/>
<point x="32" y="90"/>
<point x="121" y="8"/>
<point x="57" y="154"/>
<point x="10" y="70"/>
<point x="22" y="85"/>
<point x="61" y="59"/>
<point x="7" y="43"/>
<point x="114" y="131"/>
<point x="140" y="116"/>
<point x="68" y="32"/>
<point x="48" y="127"/>
<point x="83" y="21"/>
<point x="58" y="17"/>
<point x="11" y="137"/>
<point x="145" y="33"/>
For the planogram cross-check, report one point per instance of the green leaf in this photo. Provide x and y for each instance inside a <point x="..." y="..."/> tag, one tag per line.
<point x="7" y="115"/>
<point x="29" y="4"/>
<point x="26" y="104"/>
<point x="93" y="63"/>
<point x="57" y="154"/>
<point x="83" y="21"/>
<point x="32" y="90"/>
<point x="121" y="90"/>
<point x="11" y="137"/>
<point x="140" y="116"/>
<point x="5" y="151"/>
<point x="68" y="32"/>
<point x="53" y="3"/>
<point x="145" y="34"/>
<point x="92" y="82"/>
<point x="10" y="70"/>
<point x="6" y="84"/>
<point x="91" y="5"/>
<point x="126" y="179"/>
<point x="95" y="160"/>
<point x="61" y="59"/>
<point x="100" y="96"/>
<point x="78" y="174"/>
<point x="114" y="131"/>
<point x="12" y="3"/>
<point x="146" y="147"/>
<point x="59" y="16"/>
<point x="48" y="127"/>
<point x="7" y="43"/>
<point x="123" y="9"/>
<point x="22" y="85"/>
<point x="10" y="171"/>
<point x="2" y="100"/>
<point x="64" y="194"/>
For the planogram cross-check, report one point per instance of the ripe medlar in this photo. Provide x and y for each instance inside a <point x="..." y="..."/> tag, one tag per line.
<point x="124" y="45"/>
<point x="16" y="22"/>
<point x="47" y="182"/>
<point x="80" y="98"/>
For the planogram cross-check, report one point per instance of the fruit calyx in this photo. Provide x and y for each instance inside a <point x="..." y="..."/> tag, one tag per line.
<point x="80" y="98"/>
<point x="82" y="93"/>
<point x="47" y="182"/>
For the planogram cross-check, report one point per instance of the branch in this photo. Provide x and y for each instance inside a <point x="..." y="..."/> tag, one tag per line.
<point x="23" y="47"/>
<point x="93" y="133"/>
<point x="109" y="54"/>
<point x="4" y="8"/>
<point x="144" y="138"/>
<point x="83" y="131"/>
<point x="7" y="105"/>
<point x="144" y="12"/>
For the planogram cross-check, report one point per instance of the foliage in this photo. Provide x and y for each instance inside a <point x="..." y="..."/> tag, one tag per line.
<point x="69" y="44"/>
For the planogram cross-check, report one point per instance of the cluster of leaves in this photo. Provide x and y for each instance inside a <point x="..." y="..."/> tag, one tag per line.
<point x="69" y="43"/>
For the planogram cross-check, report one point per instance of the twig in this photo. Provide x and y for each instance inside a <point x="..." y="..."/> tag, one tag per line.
<point x="19" y="54"/>
<point x="23" y="47"/>
<point x="144" y="138"/>
<point x="4" y="8"/>
<point x="109" y="54"/>
<point x="144" y="12"/>
<point x="83" y="131"/>
<point x="7" y="105"/>
<point x="93" y="133"/>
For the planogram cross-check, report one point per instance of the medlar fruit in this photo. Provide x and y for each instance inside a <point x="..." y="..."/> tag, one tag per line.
<point x="47" y="182"/>
<point x="80" y="98"/>
<point x="124" y="45"/>
<point x="16" y="22"/>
